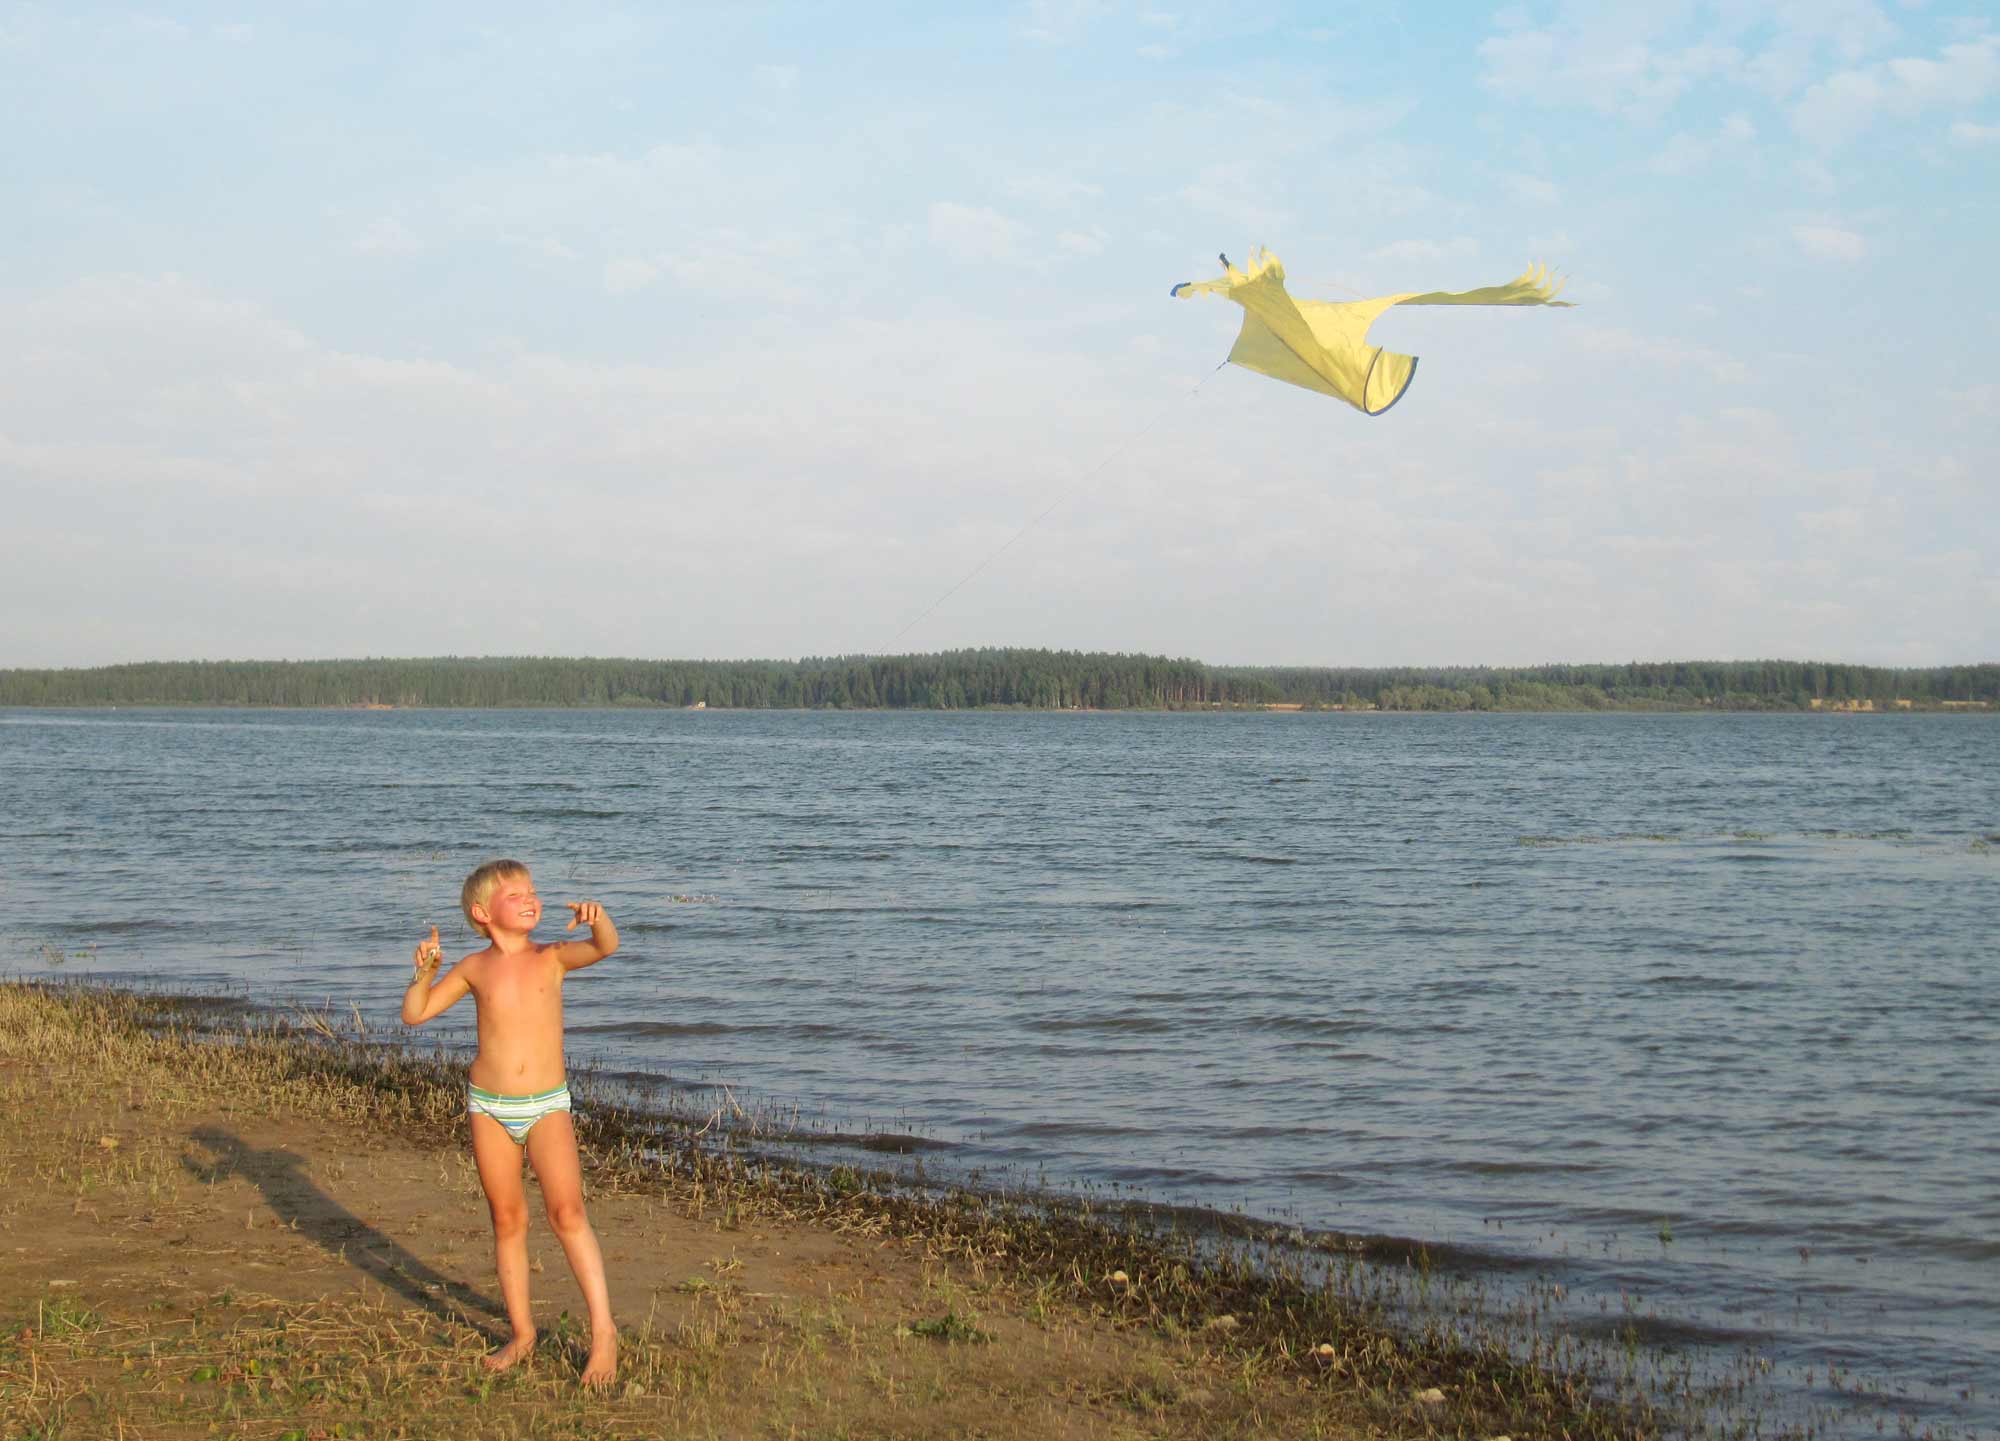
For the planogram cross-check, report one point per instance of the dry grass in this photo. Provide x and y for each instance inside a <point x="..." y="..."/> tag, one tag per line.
<point x="272" y="1229"/>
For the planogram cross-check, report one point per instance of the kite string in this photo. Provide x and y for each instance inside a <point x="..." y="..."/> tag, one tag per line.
<point x="1063" y="495"/>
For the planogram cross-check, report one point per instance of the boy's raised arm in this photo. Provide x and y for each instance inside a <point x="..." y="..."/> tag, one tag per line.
<point x="423" y="1000"/>
<point x="603" y="936"/>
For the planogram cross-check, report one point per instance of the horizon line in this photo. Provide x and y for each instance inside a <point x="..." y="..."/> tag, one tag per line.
<point x="855" y="656"/>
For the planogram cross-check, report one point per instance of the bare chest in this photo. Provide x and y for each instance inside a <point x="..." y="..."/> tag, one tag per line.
<point x="524" y="985"/>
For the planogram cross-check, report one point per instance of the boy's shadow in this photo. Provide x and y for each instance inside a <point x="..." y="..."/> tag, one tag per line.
<point x="305" y="1208"/>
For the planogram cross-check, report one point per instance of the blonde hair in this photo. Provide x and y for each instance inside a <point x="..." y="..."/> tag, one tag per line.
<point x="480" y="885"/>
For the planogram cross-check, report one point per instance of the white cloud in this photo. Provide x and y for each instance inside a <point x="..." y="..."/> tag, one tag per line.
<point x="150" y="28"/>
<point x="1058" y="22"/>
<point x="775" y="77"/>
<point x="1962" y="74"/>
<point x="1052" y="189"/>
<point x="547" y="245"/>
<point x="1686" y="152"/>
<point x="974" y="234"/>
<point x="1839" y="107"/>
<point x="1600" y="64"/>
<point x="1850" y="102"/>
<point x="1084" y="242"/>
<point x="1980" y="400"/>
<point x="1534" y="189"/>
<point x="623" y="276"/>
<point x="387" y="236"/>
<point x="189" y="415"/>
<point x="1675" y="355"/>
<point x="1965" y="132"/>
<point x="1847" y="522"/>
<point x="1456" y="247"/>
<point x="1816" y="175"/>
<point x="1683" y="154"/>
<point x="606" y="34"/>
<point x="1640" y="62"/>
<point x="1830" y="242"/>
<point x="1850" y="28"/>
<point x="1239" y="199"/>
<point x="627" y="198"/>
<point x="1805" y="31"/>
<point x="237" y="487"/>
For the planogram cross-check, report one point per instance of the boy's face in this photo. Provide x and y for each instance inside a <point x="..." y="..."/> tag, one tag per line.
<point x="513" y="906"/>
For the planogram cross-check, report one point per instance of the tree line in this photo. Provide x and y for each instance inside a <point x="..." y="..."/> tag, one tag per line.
<point x="966" y="679"/>
<point x="1659" y="685"/>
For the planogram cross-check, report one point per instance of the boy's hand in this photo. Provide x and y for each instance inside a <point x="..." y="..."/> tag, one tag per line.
<point x="428" y="954"/>
<point x="603" y="936"/>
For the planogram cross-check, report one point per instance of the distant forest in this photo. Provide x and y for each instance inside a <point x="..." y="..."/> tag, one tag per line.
<point x="1026" y="679"/>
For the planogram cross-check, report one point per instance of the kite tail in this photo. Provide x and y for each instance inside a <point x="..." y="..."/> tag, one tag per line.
<point x="1537" y="285"/>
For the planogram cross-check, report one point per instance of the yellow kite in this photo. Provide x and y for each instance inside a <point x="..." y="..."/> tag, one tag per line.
<point x="1323" y="344"/>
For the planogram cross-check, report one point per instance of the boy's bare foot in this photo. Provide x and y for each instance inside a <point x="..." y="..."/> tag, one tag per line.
<point x="602" y="1366"/>
<point x="514" y="1350"/>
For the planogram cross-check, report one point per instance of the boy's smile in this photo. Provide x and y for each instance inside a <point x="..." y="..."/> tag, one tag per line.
<point x="514" y="906"/>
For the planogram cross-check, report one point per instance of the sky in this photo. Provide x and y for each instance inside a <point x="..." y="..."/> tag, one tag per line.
<point x="351" y="329"/>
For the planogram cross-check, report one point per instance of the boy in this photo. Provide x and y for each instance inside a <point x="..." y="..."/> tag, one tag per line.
<point x="517" y="1097"/>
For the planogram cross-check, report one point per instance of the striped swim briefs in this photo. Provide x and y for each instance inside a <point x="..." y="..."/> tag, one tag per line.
<point x="517" y="1113"/>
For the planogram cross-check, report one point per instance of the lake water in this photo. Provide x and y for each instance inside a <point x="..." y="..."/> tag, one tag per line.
<point x="1545" y="988"/>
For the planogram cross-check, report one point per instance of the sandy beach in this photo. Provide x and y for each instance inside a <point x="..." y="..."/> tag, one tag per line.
<point x="271" y="1233"/>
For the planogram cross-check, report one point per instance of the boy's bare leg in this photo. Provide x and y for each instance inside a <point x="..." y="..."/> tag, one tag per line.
<point x="499" y="1161"/>
<point x="552" y="1152"/>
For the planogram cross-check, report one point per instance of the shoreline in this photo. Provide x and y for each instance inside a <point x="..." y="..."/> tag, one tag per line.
<point x="1239" y="1330"/>
<point x="767" y="1132"/>
<point x="649" y="1105"/>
